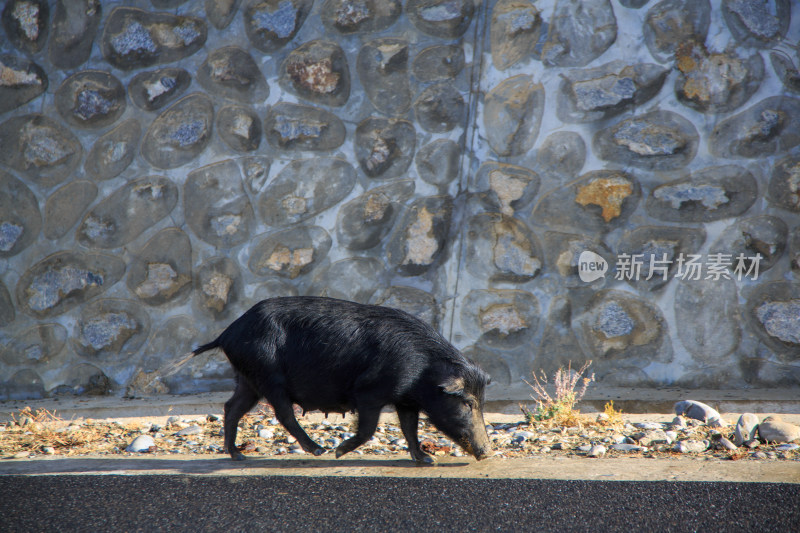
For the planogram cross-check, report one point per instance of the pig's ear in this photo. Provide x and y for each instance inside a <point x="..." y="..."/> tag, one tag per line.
<point x="453" y="385"/>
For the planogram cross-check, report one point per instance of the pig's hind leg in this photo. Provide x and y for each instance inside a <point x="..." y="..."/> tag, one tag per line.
<point x="409" y="423"/>
<point x="284" y="412"/>
<point x="244" y="398"/>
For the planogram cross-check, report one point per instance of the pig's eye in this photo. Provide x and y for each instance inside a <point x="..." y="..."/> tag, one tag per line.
<point x="468" y="404"/>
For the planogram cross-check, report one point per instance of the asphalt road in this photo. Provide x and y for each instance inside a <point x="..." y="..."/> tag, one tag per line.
<point x="281" y="503"/>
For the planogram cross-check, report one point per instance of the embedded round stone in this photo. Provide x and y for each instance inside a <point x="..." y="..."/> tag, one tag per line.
<point x="20" y="82"/>
<point x="66" y="206"/>
<point x="20" y="220"/>
<point x="27" y="23"/>
<point x="514" y="30"/>
<point x="305" y="188"/>
<point x="512" y="115"/>
<point x="355" y="279"/>
<point x="39" y="148"/>
<point x="784" y="186"/>
<point x="7" y="313"/>
<point x="707" y="318"/>
<point x="712" y="193"/>
<point x="82" y="379"/>
<point x="501" y="248"/>
<point x="578" y="32"/>
<point x="317" y="71"/>
<point x="290" y="253"/>
<point x="439" y="162"/>
<point x="598" y="201"/>
<point x="504" y="319"/>
<point x="74" y="28"/>
<point x="438" y="63"/>
<point x="90" y="99"/>
<point x="715" y="82"/>
<point x="786" y="71"/>
<point x="382" y="67"/>
<point x="154" y="89"/>
<point x="504" y="187"/>
<point x="659" y="140"/>
<point x="657" y="249"/>
<point x="230" y="72"/>
<point x="772" y="311"/>
<point x="754" y="244"/>
<point x="603" y="92"/>
<point x="114" y="151"/>
<point x="216" y="207"/>
<point x="757" y="23"/>
<point x="127" y="212"/>
<point x="133" y="38"/>
<point x="23" y="385"/>
<point x="763" y="129"/>
<point x="384" y="147"/>
<point x="420" y="237"/>
<point x="65" y="280"/>
<point x="255" y="172"/>
<point x="35" y="346"/>
<point x="562" y="153"/>
<point x="670" y="23"/>
<point x="301" y="127"/>
<point x="415" y="302"/>
<point x="441" y="18"/>
<point x="161" y="271"/>
<point x="440" y="108"/>
<point x="563" y="252"/>
<point x="218" y="287"/>
<point x="270" y="24"/>
<point x="180" y="133"/>
<point x="619" y="328"/>
<point x="365" y="221"/>
<point x="360" y="16"/>
<point x="110" y="330"/>
<point x="239" y="127"/>
<point x="220" y="13"/>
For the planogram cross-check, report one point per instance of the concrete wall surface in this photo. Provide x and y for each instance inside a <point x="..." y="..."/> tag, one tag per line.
<point x="547" y="182"/>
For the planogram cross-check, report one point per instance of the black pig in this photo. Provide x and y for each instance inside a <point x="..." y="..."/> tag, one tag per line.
<point x="338" y="356"/>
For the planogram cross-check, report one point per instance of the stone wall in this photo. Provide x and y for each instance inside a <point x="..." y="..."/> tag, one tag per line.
<point x="165" y="164"/>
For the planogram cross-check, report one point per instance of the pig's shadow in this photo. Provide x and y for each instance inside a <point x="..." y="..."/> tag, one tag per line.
<point x="221" y="465"/>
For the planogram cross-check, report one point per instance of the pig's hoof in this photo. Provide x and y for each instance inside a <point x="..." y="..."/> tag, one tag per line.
<point x="238" y="456"/>
<point x="425" y="460"/>
<point x="318" y="451"/>
<point x="340" y="452"/>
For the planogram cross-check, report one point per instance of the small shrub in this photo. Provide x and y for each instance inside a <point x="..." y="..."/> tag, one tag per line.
<point x="560" y="408"/>
<point x="613" y="417"/>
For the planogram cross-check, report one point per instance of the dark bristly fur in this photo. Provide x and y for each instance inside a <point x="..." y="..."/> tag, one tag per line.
<point x="338" y="356"/>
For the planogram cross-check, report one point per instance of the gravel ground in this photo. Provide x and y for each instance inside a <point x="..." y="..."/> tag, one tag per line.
<point x="37" y="433"/>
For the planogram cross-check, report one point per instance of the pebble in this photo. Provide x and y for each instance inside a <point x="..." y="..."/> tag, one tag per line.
<point x="746" y="428"/>
<point x="787" y="447"/>
<point x="265" y="434"/>
<point x="759" y="455"/>
<point x="649" y="425"/>
<point x="191" y="430"/>
<point x="22" y="455"/>
<point x="173" y="420"/>
<point x="727" y="444"/>
<point x="142" y="443"/>
<point x="691" y="446"/>
<point x="773" y="429"/>
<point x="49" y="450"/>
<point x="696" y="410"/>
<point x="597" y="451"/>
<point x="628" y="448"/>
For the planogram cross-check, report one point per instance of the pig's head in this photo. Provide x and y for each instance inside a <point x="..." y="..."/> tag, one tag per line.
<point x="456" y="408"/>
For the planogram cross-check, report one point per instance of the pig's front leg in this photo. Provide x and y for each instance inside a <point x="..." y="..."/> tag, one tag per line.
<point x="409" y="421"/>
<point x="367" y="424"/>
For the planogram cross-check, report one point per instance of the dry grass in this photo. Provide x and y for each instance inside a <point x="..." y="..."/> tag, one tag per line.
<point x="558" y="409"/>
<point x="36" y="430"/>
